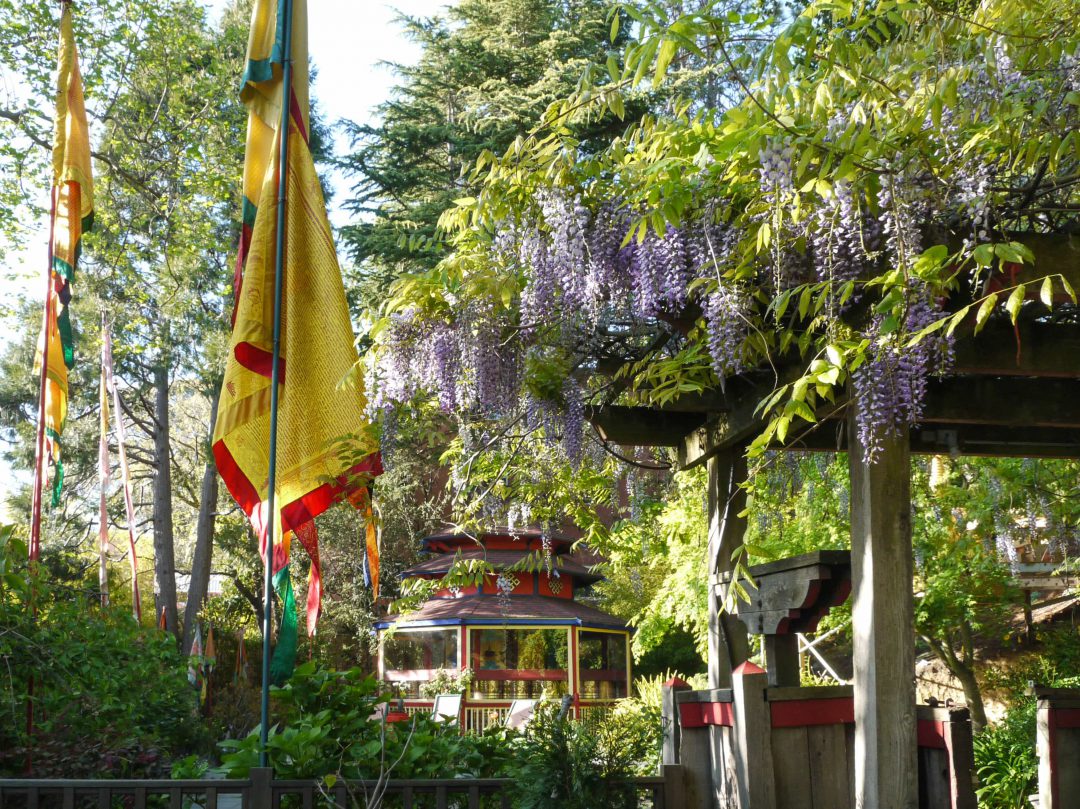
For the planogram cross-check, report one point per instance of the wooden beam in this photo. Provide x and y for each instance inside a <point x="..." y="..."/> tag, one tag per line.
<point x="1015" y="401"/>
<point x="883" y="625"/>
<point x="959" y="439"/>
<point x="642" y="426"/>
<point x="1032" y="348"/>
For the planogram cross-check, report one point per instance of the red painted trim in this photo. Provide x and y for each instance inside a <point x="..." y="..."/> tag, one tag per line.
<point x="700" y="714"/>
<point x="1067" y="717"/>
<point x="747" y="668"/>
<point x="931" y="734"/>
<point x="806" y="712"/>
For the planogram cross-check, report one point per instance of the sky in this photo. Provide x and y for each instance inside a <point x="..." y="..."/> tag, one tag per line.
<point x="347" y="40"/>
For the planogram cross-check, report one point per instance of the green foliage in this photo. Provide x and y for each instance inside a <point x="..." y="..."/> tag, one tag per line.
<point x="488" y="71"/>
<point x="577" y="765"/>
<point x="1005" y="760"/>
<point x="656" y="569"/>
<point x="328" y="727"/>
<point x="111" y="698"/>
<point x="447" y="682"/>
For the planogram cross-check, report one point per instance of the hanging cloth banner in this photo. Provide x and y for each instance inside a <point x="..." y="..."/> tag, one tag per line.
<point x="240" y="673"/>
<point x="362" y="501"/>
<point x="325" y="444"/>
<point x="72" y="215"/>
<point x="194" y="672"/>
<point x="121" y="441"/>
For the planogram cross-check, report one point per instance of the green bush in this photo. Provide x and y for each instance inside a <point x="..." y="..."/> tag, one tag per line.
<point x="327" y="727"/>
<point x="1005" y="757"/>
<point x="111" y="697"/>
<point x="575" y="765"/>
<point x="1005" y="760"/>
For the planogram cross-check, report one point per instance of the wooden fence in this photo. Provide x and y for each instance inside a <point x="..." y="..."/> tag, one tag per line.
<point x="262" y="791"/>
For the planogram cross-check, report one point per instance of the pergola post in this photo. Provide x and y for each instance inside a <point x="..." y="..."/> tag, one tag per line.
<point x="728" y="644"/>
<point x="886" y="763"/>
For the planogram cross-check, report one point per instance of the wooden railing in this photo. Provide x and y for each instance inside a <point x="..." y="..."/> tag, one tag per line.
<point x="262" y="791"/>
<point x="479" y="718"/>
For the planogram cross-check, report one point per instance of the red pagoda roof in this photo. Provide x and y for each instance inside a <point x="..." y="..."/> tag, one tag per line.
<point x="500" y="560"/>
<point x="525" y="539"/>
<point x="530" y="610"/>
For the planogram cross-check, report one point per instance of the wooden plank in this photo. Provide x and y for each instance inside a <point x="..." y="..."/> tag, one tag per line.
<point x="934" y="792"/>
<point x="791" y="759"/>
<point x="753" y="739"/>
<point x="211" y="798"/>
<point x="140" y="798"/>
<point x="674" y="795"/>
<point x="407" y="797"/>
<point x="104" y="798"/>
<point x="830" y="781"/>
<point x="68" y="800"/>
<point x="1067" y="763"/>
<point x="176" y="798"/>
<point x="474" y="797"/>
<point x="33" y="798"/>
<point x="883" y="627"/>
<point x="440" y="798"/>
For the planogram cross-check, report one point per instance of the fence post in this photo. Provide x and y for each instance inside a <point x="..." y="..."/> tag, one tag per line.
<point x="753" y="738"/>
<point x="261" y="795"/>
<point x="670" y="712"/>
<point x="1058" y="745"/>
<point x="674" y="788"/>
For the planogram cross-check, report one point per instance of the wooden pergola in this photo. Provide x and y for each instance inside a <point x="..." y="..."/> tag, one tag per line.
<point x="1014" y="390"/>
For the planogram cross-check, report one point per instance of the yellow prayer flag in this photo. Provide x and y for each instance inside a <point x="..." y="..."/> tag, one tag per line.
<point x="325" y="448"/>
<point x="72" y="214"/>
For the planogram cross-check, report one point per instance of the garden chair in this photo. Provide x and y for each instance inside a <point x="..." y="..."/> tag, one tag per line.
<point x="520" y="713"/>
<point x="447" y="707"/>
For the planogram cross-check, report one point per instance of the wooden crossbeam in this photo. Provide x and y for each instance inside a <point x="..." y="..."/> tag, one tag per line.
<point x="971" y="415"/>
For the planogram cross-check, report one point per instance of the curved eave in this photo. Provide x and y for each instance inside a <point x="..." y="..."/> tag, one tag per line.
<point x="501" y="560"/>
<point x="522" y="611"/>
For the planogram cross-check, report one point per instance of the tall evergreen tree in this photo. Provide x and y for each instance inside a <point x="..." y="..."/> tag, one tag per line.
<point x="488" y="71"/>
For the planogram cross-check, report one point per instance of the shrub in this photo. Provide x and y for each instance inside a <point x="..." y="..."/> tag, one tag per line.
<point x="328" y="726"/>
<point x="575" y="765"/>
<point x="111" y="697"/>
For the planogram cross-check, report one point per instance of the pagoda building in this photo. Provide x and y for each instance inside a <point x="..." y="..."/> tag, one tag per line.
<point x="521" y="632"/>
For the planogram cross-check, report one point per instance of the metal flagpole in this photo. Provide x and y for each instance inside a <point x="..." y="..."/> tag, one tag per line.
<point x="279" y="272"/>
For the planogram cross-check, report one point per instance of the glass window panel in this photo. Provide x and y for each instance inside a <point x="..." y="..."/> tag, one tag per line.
<point x="419" y="650"/>
<point x="519" y="663"/>
<point x="602" y="661"/>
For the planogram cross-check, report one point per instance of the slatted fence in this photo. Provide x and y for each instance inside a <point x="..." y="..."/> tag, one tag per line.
<point x="262" y="791"/>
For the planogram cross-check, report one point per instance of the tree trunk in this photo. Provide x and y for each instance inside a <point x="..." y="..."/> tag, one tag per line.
<point x="972" y="695"/>
<point x="164" y="558"/>
<point x="204" y="539"/>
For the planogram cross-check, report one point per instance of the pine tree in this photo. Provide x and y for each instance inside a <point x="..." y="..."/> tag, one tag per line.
<point x="489" y="70"/>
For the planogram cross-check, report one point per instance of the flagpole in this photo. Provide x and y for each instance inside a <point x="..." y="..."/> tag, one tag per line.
<point x="279" y="272"/>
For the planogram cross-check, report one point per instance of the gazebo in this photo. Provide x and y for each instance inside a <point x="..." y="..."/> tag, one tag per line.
<point x="521" y="631"/>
